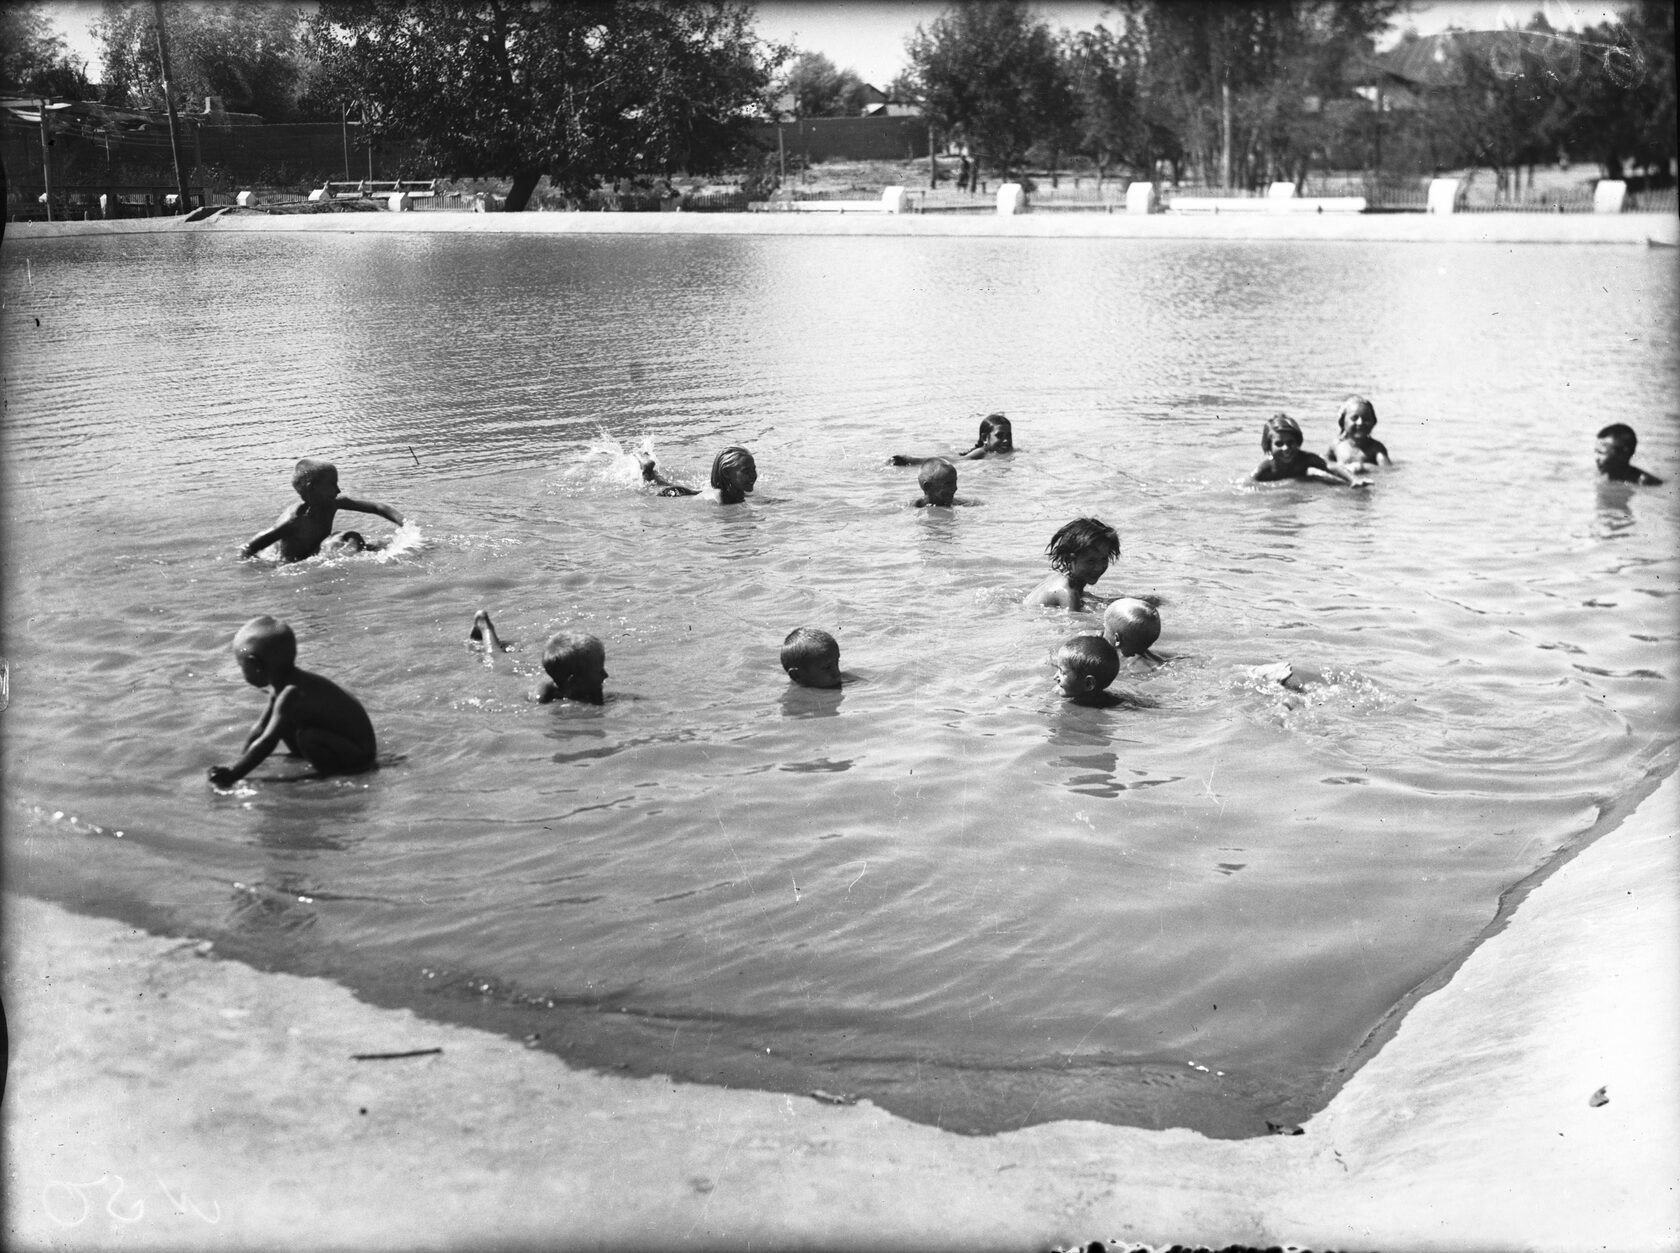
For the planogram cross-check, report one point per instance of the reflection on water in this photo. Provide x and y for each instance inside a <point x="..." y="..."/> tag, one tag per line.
<point x="941" y="887"/>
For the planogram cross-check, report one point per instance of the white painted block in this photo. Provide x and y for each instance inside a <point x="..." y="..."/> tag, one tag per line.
<point x="245" y="199"/>
<point x="1140" y="198"/>
<point x="400" y="202"/>
<point x="1609" y="195"/>
<point x="1012" y="198"/>
<point x="1443" y="195"/>
<point x="895" y="200"/>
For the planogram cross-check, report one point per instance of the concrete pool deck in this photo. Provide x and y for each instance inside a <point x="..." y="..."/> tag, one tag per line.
<point x="1640" y="229"/>
<point x="159" y="1098"/>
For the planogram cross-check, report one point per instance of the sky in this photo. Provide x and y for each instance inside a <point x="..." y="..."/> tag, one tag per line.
<point x="868" y="36"/>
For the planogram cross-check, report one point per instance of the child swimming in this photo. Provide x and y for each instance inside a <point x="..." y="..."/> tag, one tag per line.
<point x="1281" y="440"/>
<point x="1132" y="626"/>
<point x="1085" y="666"/>
<point x="575" y="665"/>
<point x="312" y="716"/>
<point x="1614" y="452"/>
<point x="304" y="527"/>
<point x="996" y="436"/>
<point x="938" y="481"/>
<point x="1355" y="448"/>
<point x="734" y="474"/>
<point x="811" y="658"/>
<point x="1079" y="553"/>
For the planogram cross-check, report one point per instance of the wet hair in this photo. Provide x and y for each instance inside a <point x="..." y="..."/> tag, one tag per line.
<point x="1078" y="536"/>
<point x="732" y="456"/>
<point x="1276" y="425"/>
<point x="1352" y="405"/>
<point x="937" y="470"/>
<point x="1131" y="625"/>
<point x="807" y="644"/>
<point x="568" y="651"/>
<point x="1090" y="656"/>
<point x="268" y="638"/>
<point x="311" y="471"/>
<point x="352" y="540"/>
<point x="1622" y="433"/>
<point x="999" y="423"/>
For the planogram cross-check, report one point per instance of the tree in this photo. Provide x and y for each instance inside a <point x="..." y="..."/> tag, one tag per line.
<point x="991" y="73"/>
<point x="34" y="60"/>
<point x="246" y="54"/>
<point x="819" y="89"/>
<point x="576" y="91"/>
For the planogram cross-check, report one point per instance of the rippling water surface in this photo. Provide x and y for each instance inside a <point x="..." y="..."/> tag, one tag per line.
<point x="941" y="888"/>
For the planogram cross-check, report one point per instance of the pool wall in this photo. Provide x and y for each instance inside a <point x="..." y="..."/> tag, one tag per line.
<point x="1493" y="228"/>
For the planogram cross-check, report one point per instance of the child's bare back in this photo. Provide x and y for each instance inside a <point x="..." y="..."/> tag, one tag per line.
<point x="302" y="529"/>
<point x="311" y="715"/>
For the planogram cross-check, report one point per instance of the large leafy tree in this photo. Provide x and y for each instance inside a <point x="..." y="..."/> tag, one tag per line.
<point x="245" y="53"/>
<point x="992" y="73"/>
<point x="820" y="89"/>
<point x="34" y="59"/>
<point x="579" y="92"/>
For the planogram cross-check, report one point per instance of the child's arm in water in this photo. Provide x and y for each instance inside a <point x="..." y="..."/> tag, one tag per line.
<point x="1340" y="473"/>
<point x="370" y="506"/>
<point x="261" y="742"/>
<point x="651" y="475"/>
<point x="275" y="533"/>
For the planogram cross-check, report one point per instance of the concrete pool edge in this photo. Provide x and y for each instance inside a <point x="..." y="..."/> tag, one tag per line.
<point x="1639" y="229"/>
<point x="158" y="1098"/>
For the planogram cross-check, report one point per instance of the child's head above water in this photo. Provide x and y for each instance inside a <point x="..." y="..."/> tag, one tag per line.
<point x="938" y="479"/>
<point x="1085" y="666"/>
<point x="1356" y="411"/>
<point x="1616" y="443"/>
<point x="734" y="472"/>
<point x="265" y="649"/>
<point x="811" y="657"/>
<point x="576" y="664"/>
<point x="1131" y="625"/>
<point x="1280" y="430"/>
<point x="996" y="435"/>
<point x="1083" y="548"/>
<point x="311" y="477"/>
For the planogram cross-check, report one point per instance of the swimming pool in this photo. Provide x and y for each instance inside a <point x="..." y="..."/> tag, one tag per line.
<point x="941" y="889"/>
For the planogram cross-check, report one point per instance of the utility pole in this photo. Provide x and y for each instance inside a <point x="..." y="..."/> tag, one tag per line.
<point x="169" y="100"/>
<point x="46" y="159"/>
<point x="344" y="122"/>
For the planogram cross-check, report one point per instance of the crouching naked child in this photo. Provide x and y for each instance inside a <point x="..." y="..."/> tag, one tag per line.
<point x="304" y="527"/>
<point x="312" y="716"/>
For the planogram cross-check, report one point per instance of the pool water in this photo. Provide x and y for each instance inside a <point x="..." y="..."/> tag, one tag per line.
<point x="941" y="888"/>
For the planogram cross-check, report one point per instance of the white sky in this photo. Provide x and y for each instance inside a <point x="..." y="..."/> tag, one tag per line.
<point x="868" y="36"/>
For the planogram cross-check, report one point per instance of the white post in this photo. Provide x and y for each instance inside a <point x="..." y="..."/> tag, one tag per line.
<point x="245" y="199"/>
<point x="1011" y="198"/>
<point x="400" y="202"/>
<point x="1140" y="198"/>
<point x="1443" y="195"/>
<point x="895" y="200"/>
<point x="1609" y="195"/>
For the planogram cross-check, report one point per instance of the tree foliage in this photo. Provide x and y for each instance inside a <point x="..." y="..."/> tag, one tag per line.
<point x="34" y="59"/>
<point x="820" y="89"/>
<point x="992" y="74"/>
<point x="247" y="54"/>
<point x="580" y="92"/>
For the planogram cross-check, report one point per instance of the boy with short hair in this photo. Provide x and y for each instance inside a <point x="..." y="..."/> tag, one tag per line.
<point x="938" y="479"/>
<point x="811" y="658"/>
<point x="575" y="665"/>
<point x="1132" y="626"/>
<point x="1079" y="553"/>
<point x="1085" y="666"/>
<point x="1614" y="451"/>
<point x="312" y="716"/>
<point x="302" y="528"/>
